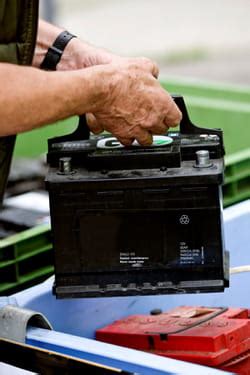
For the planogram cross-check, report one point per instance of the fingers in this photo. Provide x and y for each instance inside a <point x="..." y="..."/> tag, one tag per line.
<point x="158" y="128"/>
<point x="126" y="141"/>
<point x="93" y="124"/>
<point x="146" y="64"/>
<point x="173" y="115"/>
<point x="144" y="137"/>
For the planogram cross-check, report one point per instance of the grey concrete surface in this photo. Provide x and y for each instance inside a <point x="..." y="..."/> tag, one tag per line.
<point x="230" y="67"/>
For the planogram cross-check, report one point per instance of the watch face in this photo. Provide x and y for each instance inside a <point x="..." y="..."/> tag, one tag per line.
<point x="112" y="142"/>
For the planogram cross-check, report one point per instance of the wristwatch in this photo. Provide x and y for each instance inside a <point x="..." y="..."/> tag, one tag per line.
<point x="55" y="52"/>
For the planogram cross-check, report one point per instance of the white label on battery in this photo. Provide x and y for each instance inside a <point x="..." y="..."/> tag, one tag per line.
<point x="158" y="141"/>
<point x="111" y="142"/>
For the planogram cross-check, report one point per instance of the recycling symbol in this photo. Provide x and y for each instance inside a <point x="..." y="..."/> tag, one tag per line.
<point x="184" y="219"/>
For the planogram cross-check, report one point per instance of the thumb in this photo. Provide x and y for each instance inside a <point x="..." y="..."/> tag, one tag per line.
<point x="93" y="124"/>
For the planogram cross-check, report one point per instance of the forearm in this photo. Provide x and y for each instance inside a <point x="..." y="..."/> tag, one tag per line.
<point x="124" y="99"/>
<point x="32" y="98"/>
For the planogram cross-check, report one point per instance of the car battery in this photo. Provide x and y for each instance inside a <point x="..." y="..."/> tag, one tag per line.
<point x="215" y="337"/>
<point x="137" y="220"/>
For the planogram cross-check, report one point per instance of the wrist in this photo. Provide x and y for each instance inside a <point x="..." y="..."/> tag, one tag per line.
<point x="46" y="36"/>
<point x="55" y="52"/>
<point x="79" y="54"/>
<point x="71" y="57"/>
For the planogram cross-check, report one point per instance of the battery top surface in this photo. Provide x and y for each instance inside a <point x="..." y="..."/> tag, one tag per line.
<point x="106" y="152"/>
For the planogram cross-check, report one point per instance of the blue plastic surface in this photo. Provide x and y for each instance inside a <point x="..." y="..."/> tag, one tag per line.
<point x="134" y="361"/>
<point x="82" y="317"/>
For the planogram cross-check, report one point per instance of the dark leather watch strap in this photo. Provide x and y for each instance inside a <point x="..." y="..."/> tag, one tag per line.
<point x="55" y="52"/>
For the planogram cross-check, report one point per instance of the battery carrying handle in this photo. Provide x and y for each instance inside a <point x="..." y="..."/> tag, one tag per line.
<point x="82" y="131"/>
<point x="186" y="125"/>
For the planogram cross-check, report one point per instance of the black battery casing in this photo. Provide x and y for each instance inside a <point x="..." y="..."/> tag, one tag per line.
<point x="153" y="226"/>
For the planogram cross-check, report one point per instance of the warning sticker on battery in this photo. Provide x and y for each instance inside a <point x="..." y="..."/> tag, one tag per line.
<point x="190" y="255"/>
<point x="131" y="259"/>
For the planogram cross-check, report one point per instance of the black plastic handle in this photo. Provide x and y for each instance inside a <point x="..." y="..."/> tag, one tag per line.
<point x="186" y="125"/>
<point x="82" y="131"/>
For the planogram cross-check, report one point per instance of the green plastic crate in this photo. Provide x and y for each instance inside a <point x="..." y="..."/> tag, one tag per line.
<point x="226" y="107"/>
<point x="217" y="106"/>
<point x="237" y="178"/>
<point x="25" y="259"/>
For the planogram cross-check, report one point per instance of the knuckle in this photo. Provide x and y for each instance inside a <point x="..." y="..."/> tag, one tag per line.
<point x="150" y="64"/>
<point x="177" y="115"/>
<point x="156" y="69"/>
<point x="148" y="123"/>
<point x="172" y="113"/>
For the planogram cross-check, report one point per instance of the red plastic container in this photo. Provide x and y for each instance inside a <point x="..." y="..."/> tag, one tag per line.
<point x="216" y="337"/>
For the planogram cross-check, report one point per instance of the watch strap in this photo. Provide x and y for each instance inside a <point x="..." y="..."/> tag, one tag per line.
<point x="54" y="53"/>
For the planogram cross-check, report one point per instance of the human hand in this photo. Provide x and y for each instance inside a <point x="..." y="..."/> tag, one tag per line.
<point x="135" y="105"/>
<point x="79" y="54"/>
